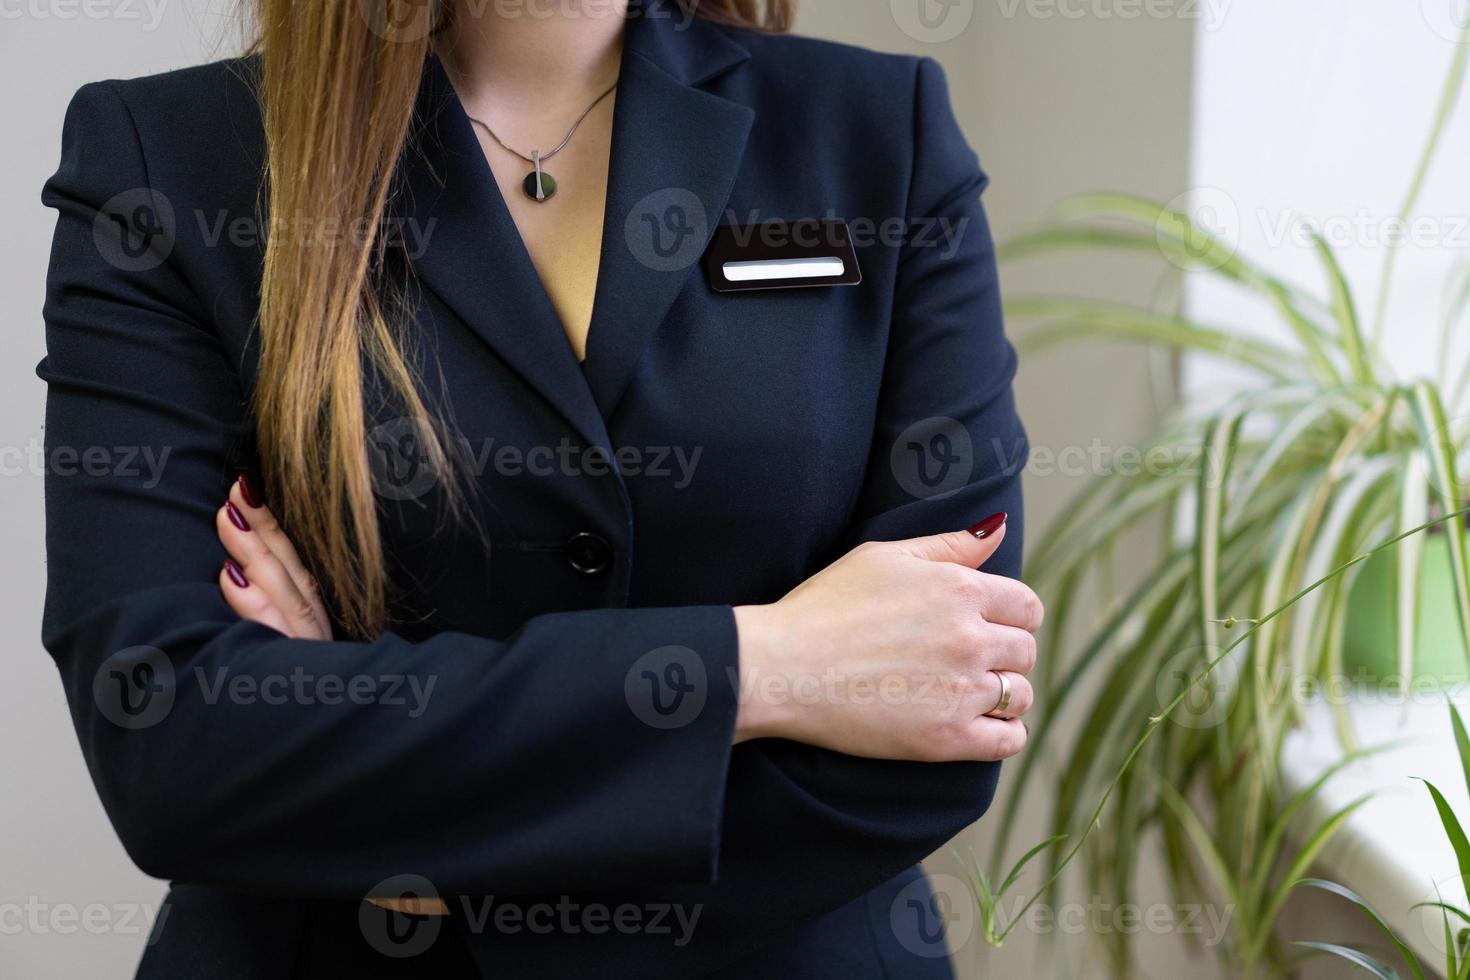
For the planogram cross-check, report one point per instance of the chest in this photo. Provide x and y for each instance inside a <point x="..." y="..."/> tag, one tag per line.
<point x="562" y="233"/>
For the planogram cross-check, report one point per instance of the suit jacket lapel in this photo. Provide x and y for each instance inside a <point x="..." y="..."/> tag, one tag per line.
<point x="473" y="258"/>
<point x="675" y="154"/>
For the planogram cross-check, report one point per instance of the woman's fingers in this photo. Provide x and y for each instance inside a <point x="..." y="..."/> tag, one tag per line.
<point x="997" y="738"/>
<point x="1008" y="695"/>
<point x="247" y="601"/>
<point x="251" y="506"/>
<point x="269" y="594"/>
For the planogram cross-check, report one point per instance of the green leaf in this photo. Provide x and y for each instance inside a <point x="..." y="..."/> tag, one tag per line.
<point x="1346" y="313"/>
<point x="1433" y="428"/>
<point x="1410" y="959"/>
<point x="1071" y="319"/>
<point x="1354" y="956"/>
<point x="1452" y="829"/>
<point x="1020" y="865"/>
<point x="1413" y="510"/>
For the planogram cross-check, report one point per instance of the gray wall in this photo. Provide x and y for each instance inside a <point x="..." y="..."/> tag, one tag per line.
<point x="1054" y="104"/>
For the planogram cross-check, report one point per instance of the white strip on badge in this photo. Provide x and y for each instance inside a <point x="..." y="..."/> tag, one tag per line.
<point x="804" y="268"/>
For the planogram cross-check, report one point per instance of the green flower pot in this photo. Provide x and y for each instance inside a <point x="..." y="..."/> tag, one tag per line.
<point x="1370" y="643"/>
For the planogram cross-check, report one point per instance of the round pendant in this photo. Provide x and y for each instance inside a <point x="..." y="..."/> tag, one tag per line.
<point x="542" y="189"/>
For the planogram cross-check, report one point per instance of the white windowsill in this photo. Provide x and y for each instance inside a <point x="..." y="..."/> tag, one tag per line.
<point x="1392" y="851"/>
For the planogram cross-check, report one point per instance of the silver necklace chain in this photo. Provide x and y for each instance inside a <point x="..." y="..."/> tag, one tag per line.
<point x="537" y="158"/>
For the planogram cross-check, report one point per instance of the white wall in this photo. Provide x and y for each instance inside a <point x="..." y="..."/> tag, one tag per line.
<point x="1314" y="115"/>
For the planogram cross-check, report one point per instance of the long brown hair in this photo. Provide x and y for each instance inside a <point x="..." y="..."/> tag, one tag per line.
<point x="337" y="86"/>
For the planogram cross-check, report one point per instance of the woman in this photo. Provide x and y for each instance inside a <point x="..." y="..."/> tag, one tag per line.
<point x="547" y="641"/>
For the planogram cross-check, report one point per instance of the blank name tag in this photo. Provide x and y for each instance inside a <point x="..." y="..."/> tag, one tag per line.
<point x="782" y="255"/>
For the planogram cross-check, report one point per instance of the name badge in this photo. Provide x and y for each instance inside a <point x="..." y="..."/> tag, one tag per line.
<point x="782" y="255"/>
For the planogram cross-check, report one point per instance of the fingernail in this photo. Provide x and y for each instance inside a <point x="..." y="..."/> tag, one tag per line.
<point x="990" y="525"/>
<point x="236" y="573"/>
<point x="236" y="518"/>
<point x="248" y="491"/>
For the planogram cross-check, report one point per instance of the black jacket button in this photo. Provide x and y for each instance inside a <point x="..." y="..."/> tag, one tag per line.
<point x="589" y="554"/>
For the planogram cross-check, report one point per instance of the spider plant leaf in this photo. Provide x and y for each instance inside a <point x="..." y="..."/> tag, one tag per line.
<point x="1305" y="420"/>
<point x="1214" y="478"/>
<point x="1066" y="319"/>
<point x="1350" y="331"/>
<point x="1452" y="829"/>
<point x="1025" y="859"/>
<point x="1165" y="581"/>
<point x="1334" y="888"/>
<point x="1443" y="907"/>
<point x="1462" y="743"/>
<point x="1276" y="836"/>
<point x="1356" y="957"/>
<point x="1429" y="416"/>
<point x="1203" y="841"/>
<point x="1183" y="241"/>
<point x="1305" y="855"/>
<point x="1413" y="510"/>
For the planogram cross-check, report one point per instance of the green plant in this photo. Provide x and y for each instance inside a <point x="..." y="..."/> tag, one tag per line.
<point x="1269" y="503"/>
<point x="1454" y="918"/>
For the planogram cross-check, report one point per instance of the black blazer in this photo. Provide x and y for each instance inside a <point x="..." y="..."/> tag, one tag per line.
<point x="550" y="717"/>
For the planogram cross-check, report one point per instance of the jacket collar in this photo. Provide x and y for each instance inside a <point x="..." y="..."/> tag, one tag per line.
<point x="671" y="142"/>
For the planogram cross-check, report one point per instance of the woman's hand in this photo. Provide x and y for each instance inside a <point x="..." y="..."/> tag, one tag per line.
<point x="264" y="579"/>
<point x="893" y="652"/>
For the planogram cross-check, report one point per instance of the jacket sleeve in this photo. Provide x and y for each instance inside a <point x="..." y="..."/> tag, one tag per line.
<point x="808" y="830"/>
<point x="227" y="754"/>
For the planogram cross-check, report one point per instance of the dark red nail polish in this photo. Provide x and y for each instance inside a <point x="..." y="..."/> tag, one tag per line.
<point x="990" y="525"/>
<point x="236" y="518"/>
<point x="236" y="573"/>
<point x="248" y="491"/>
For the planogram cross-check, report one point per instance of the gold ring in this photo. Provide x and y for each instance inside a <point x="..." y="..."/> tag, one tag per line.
<point x="1005" y="695"/>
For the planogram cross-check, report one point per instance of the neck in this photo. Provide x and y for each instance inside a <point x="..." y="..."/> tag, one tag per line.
<point x="546" y="54"/>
